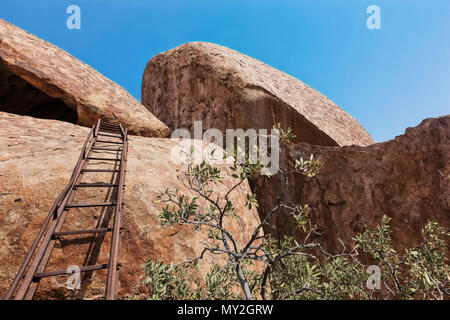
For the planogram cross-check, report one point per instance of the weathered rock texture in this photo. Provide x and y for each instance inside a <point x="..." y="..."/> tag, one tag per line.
<point x="36" y="160"/>
<point x="40" y="79"/>
<point x="227" y="90"/>
<point x="407" y="178"/>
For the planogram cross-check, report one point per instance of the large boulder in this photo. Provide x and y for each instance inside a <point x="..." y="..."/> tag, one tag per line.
<point x="228" y="90"/>
<point x="42" y="80"/>
<point x="36" y="160"/>
<point x="407" y="178"/>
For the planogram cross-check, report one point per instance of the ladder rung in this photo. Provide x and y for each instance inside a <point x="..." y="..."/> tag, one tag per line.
<point x="114" y="129"/>
<point x="73" y="232"/>
<point x="88" y="205"/>
<point x="100" y="170"/>
<point x="111" y="131"/>
<point x="104" y="141"/>
<point x="62" y="271"/>
<point x="110" y="135"/>
<point x="106" y="149"/>
<point x="106" y="159"/>
<point x="109" y="125"/>
<point x="95" y="185"/>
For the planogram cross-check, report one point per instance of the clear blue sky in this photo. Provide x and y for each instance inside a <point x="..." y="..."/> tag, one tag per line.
<point x="387" y="79"/>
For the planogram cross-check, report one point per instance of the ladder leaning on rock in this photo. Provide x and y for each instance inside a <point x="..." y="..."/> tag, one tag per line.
<point x="33" y="270"/>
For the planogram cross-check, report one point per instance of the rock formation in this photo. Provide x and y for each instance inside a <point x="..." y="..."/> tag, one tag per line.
<point x="227" y="89"/>
<point x="41" y="80"/>
<point x="36" y="160"/>
<point x="407" y="178"/>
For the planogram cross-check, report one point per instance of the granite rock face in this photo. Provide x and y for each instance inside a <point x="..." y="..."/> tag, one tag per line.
<point x="407" y="178"/>
<point x="37" y="158"/>
<point x="228" y="90"/>
<point x="42" y="80"/>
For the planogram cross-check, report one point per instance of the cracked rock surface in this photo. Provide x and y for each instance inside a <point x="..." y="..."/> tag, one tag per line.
<point x="37" y="158"/>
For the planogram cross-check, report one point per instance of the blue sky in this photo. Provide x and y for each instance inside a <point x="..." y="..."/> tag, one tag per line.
<point x="387" y="79"/>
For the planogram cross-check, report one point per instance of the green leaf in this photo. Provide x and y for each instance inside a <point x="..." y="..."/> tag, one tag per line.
<point x="341" y="242"/>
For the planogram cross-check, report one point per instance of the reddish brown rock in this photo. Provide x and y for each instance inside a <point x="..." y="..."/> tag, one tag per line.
<point x="227" y="90"/>
<point x="407" y="178"/>
<point x="36" y="160"/>
<point x="42" y="80"/>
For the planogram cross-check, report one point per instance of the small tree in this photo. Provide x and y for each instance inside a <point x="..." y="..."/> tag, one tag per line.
<point x="420" y="273"/>
<point x="291" y="269"/>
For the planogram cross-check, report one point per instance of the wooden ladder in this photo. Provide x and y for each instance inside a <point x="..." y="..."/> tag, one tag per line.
<point x="103" y="138"/>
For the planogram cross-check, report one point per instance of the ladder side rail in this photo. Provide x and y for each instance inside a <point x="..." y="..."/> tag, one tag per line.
<point x="124" y="134"/>
<point x="111" y="284"/>
<point x="61" y="214"/>
<point x="97" y="127"/>
<point x="52" y="212"/>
